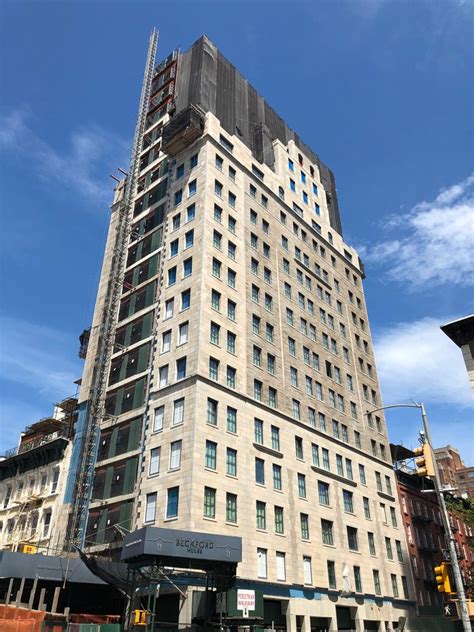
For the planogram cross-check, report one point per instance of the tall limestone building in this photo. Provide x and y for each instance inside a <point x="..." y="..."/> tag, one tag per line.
<point x="238" y="359"/>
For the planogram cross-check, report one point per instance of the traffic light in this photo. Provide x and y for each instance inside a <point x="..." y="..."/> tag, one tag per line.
<point x="139" y="617"/>
<point x="424" y="462"/>
<point x="442" y="578"/>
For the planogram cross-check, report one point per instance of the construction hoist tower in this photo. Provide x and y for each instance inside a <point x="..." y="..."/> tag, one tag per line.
<point x="105" y="328"/>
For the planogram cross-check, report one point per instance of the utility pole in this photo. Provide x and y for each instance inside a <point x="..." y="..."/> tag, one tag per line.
<point x="447" y="527"/>
<point x="444" y="513"/>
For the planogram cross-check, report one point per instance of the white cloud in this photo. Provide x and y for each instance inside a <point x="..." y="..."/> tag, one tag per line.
<point x="416" y="360"/>
<point x="83" y="167"/>
<point x="435" y="241"/>
<point x="38" y="358"/>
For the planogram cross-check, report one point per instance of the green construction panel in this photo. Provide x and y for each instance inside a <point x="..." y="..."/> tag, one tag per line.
<point x="150" y="293"/>
<point x="135" y="433"/>
<point x="108" y="481"/>
<point x="100" y="533"/>
<point x="112" y="443"/>
<point x="139" y="393"/>
<point x="143" y="355"/>
<point x="130" y="475"/>
<point x="156" y="239"/>
<point x="126" y="514"/>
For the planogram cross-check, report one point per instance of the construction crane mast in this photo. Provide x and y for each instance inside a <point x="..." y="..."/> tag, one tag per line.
<point x="106" y="333"/>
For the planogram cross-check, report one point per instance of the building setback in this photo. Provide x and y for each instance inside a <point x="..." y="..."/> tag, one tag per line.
<point x="242" y="364"/>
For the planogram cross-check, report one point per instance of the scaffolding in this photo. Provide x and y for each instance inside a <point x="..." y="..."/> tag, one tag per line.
<point x="96" y="403"/>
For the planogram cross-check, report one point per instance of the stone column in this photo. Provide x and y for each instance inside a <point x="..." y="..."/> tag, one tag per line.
<point x="290" y="622"/>
<point x="185" y="609"/>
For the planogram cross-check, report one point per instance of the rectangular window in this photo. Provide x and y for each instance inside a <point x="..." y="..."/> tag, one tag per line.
<point x="214" y="333"/>
<point x="187" y="267"/>
<point x="183" y="333"/>
<point x="377" y="588"/>
<point x="279" y="524"/>
<point x="304" y="523"/>
<point x="181" y="368"/>
<point x="357" y="579"/>
<point x="331" y="574"/>
<point x="210" y="460"/>
<point x="276" y="471"/>
<point x="352" y="540"/>
<point x="258" y="426"/>
<point x="260" y="471"/>
<point x="192" y="188"/>
<point x="231" y="508"/>
<point x="323" y="493"/>
<point x="398" y="546"/>
<point x="154" y="467"/>
<point x="371" y="540"/>
<point x="348" y="499"/>
<point x="315" y="454"/>
<point x="213" y="369"/>
<point x="150" y="510"/>
<point x="366" y="503"/>
<point x="209" y="502"/>
<point x="175" y="455"/>
<point x="158" y="418"/>
<point x="393" y="516"/>
<point x="185" y="300"/>
<point x="301" y="485"/>
<point x="327" y="532"/>
<point x="231" y="419"/>
<point x="231" y="462"/>
<point x="388" y="547"/>
<point x="231" y="310"/>
<point x="406" y="593"/>
<point x="275" y="433"/>
<point x="299" y="448"/>
<point x="307" y="571"/>
<point x="163" y="376"/>
<point x="280" y="566"/>
<point x="231" y="337"/>
<point x="261" y="515"/>
<point x="212" y="412"/>
<point x="178" y="411"/>
<point x="172" y="503"/>
<point x="262" y="563"/>
<point x="326" y="463"/>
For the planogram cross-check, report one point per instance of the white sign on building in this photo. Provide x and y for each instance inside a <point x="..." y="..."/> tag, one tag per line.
<point x="245" y="601"/>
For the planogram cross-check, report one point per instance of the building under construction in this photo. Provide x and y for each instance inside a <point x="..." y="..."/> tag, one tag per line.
<point x="229" y="377"/>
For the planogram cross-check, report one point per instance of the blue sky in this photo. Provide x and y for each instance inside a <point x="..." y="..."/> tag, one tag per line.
<point x="381" y="90"/>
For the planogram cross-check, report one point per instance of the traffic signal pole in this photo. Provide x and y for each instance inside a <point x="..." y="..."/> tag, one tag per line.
<point x="464" y="612"/>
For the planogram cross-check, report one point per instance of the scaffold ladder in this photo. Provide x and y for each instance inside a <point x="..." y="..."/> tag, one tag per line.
<point x="96" y="404"/>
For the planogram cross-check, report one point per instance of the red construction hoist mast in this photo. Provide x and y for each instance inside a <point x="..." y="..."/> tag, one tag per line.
<point x="96" y="403"/>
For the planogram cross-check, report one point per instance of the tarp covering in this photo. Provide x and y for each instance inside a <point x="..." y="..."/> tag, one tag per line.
<point x="47" y="567"/>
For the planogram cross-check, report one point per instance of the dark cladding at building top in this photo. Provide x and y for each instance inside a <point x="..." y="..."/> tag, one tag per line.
<point x="207" y="79"/>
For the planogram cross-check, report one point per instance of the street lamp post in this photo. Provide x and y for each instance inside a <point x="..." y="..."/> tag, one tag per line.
<point x="444" y="515"/>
